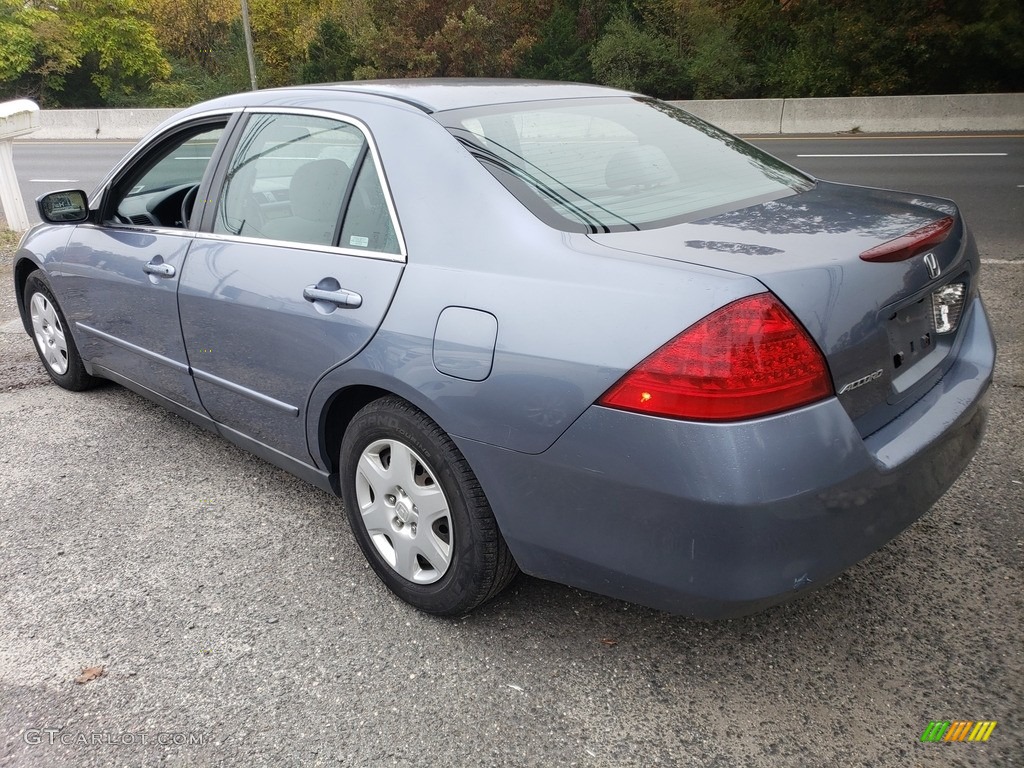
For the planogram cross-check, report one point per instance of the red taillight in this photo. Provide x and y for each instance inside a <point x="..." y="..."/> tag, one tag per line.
<point x="750" y="358"/>
<point x="910" y="244"/>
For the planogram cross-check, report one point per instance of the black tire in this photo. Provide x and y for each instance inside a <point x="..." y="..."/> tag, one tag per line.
<point x="480" y="564"/>
<point x="62" y="362"/>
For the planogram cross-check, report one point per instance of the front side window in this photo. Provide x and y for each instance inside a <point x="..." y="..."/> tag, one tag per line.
<point x="160" y="189"/>
<point x="292" y="177"/>
<point x="618" y="164"/>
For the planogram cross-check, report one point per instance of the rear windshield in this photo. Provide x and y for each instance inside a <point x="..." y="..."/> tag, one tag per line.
<point x="616" y="164"/>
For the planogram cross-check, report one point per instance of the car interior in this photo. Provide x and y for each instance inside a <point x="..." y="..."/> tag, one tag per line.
<point x="162" y="191"/>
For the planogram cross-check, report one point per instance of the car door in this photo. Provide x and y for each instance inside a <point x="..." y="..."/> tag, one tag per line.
<point x="299" y="261"/>
<point x="121" y="275"/>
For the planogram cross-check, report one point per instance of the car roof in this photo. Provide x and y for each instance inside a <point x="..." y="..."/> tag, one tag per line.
<point x="441" y="94"/>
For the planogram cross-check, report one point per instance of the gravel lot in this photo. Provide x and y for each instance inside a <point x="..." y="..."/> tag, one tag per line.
<point x="229" y="607"/>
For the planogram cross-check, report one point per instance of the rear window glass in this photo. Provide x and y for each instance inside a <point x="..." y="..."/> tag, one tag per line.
<point x="617" y="164"/>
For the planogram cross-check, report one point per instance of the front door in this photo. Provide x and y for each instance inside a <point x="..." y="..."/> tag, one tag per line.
<point x="122" y="275"/>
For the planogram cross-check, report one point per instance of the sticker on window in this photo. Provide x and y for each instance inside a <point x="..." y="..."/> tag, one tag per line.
<point x="362" y="242"/>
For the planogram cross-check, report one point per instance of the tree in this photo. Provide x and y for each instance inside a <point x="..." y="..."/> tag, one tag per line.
<point x="882" y="47"/>
<point x="281" y="33"/>
<point x="565" y="39"/>
<point x="127" y="55"/>
<point x="18" y="44"/>
<point x="36" y="50"/>
<point x="194" y="31"/>
<point x="705" y="37"/>
<point x="104" y="45"/>
<point x="447" y="38"/>
<point x="191" y="82"/>
<point x="330" y="56"/>
<point x="176" y="52"/>
<point x="639" y="59"/>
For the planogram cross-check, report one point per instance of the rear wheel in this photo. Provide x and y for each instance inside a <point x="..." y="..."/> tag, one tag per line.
<point x="53" y="340"/>
<point x="419" y="513"/>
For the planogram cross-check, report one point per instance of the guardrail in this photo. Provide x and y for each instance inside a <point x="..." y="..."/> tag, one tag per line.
<point x="17" y="118"/>
<point x="869" y="114"/>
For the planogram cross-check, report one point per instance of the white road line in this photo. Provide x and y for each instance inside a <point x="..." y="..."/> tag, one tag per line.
<point x="1017" y="262"/>
<point x="868" y="137"/>
<point x="53" y="181"/>
<point x="920" y="154"/>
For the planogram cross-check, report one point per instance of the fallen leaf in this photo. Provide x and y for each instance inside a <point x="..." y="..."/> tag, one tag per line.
<point x="609" y="641"/>
<point x="89" y="673"/>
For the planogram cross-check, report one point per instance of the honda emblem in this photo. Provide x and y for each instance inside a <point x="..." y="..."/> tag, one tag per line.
<point x="933" y="265"/>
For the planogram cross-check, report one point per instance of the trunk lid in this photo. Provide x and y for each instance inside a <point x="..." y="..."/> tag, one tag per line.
<point x="873" y="320"/>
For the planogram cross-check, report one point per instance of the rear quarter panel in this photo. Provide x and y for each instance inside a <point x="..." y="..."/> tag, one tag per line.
<point x="572" y="315"/>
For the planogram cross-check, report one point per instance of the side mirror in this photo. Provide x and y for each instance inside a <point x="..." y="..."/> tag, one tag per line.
<point x="68" y="206"/>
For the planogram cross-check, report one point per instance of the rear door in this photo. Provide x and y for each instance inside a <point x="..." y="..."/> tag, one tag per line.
<point x="298" y="265"/>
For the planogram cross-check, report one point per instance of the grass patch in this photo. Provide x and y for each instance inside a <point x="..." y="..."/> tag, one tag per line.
<point x="9" y="239"/>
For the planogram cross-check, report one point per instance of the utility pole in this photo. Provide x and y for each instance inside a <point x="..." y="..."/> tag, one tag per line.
<point x="248" y="43"/>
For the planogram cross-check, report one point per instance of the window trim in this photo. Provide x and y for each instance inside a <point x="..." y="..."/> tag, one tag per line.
<point x="206" y="224"/>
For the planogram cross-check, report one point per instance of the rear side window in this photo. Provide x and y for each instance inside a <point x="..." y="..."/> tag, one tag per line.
<point x="616" y="164"/>
<point x="302" y="179"/>
<point x="368" y="221"/>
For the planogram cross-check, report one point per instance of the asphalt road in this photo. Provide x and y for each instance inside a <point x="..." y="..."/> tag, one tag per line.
<point x="984" y="174"/>
<point x="228" y="604"/>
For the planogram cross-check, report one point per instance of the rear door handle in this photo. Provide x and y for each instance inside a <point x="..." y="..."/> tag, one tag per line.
<point x="159" y="268"/>
<point x="341" y="297"/>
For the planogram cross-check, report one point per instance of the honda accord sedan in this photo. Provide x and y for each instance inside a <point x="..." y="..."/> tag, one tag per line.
<point x="554" y="328"/>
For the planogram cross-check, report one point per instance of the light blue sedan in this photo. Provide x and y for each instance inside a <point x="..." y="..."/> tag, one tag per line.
<point x="554" y="328"/>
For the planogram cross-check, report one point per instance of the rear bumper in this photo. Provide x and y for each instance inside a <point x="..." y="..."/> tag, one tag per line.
<point x="718" y="520"/>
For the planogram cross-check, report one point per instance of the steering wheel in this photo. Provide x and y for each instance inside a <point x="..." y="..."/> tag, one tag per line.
<point x="187" y="202"/>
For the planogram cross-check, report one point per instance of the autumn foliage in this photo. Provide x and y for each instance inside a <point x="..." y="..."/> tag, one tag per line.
<point x="78" y="53"/>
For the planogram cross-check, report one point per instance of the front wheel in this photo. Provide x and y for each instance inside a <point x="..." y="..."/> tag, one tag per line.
<point x="418" y="512"/>
<point x="53" y="340"/>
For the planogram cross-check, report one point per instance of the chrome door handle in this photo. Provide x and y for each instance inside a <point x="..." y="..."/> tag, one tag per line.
<point x="159" y="268"/>
<point x="341" y="297"/>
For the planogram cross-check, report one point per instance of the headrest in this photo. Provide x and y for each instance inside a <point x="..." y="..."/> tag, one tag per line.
<point x="643" y="165"/>
<point x="318" y="187"/>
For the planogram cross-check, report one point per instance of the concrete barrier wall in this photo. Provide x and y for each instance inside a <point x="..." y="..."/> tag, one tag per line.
<point x="869" y="114"/>
<point x="739" y="115"/>
<point x="899" y="114"/>
<point x="79" y="124"/>
<point x="874" y="114"/>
